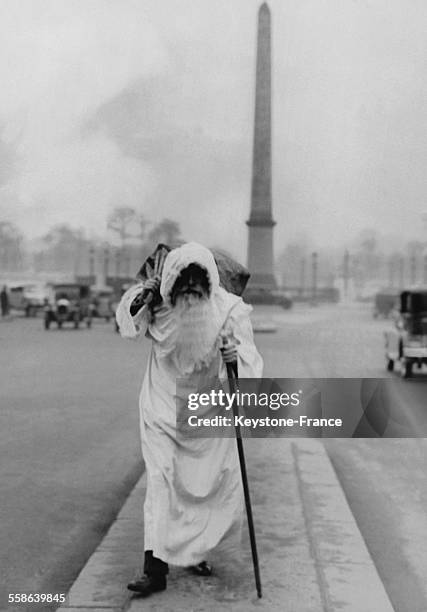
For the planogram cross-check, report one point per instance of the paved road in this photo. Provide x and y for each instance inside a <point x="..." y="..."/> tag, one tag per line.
<point x="327" y="341"/>
<point x="69" y="443"/>
<point x="69" y="448"/>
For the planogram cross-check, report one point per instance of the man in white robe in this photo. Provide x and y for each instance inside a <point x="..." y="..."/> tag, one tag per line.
<point x="194" y="495"/>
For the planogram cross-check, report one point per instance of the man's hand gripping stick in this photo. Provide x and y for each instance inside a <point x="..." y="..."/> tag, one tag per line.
<point x="228" y="348"/>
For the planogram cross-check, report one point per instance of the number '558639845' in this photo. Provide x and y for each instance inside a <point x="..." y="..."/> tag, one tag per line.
<point x="36" y="597"/>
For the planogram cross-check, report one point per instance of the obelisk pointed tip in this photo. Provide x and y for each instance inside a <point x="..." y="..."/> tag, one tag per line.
<point x="264" y="8"/>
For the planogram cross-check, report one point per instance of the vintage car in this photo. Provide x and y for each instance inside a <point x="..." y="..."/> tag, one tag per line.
<point x="16" y="297"/>
<point x="102" y="300"/>
<point x="264" y="296"/>
<point x="28" y="297"/>
<point x="407" y="342"/>
<point x="68" y="303"/>
<point x="385" y="302"/>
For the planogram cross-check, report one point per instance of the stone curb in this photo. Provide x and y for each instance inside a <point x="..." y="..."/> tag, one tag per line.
<point x="347" y="576"/>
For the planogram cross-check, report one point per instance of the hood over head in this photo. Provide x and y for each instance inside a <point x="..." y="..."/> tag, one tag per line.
<point x="179" y="259"/>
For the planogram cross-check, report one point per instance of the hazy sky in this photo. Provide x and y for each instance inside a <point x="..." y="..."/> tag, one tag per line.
<point x="149" y="103"/>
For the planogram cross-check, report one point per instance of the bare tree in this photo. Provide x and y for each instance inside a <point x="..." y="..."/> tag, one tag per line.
<point x="122" y="221"/>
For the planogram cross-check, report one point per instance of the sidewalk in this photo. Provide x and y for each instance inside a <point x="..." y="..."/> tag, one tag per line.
<point x="312" y="555"/>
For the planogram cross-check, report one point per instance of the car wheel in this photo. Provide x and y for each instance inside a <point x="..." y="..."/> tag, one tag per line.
<point x="406" y="368"/>
<point x="390" y="365"/>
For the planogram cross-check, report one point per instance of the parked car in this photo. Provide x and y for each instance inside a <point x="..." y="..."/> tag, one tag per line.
<point x="28" y="297"/>
<point x="16" y="296"/>
<point x="406" y="343"/>
<point x="263" y="296"/>
<point x="69" y="303"/>
<point x="385" y="302"/>
<point x="328" y="294"/>
<point x="102" y="302"/>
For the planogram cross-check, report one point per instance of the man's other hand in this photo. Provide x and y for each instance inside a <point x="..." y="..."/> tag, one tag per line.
<point x="151" y="287"/>
<point x="229" y="352"/>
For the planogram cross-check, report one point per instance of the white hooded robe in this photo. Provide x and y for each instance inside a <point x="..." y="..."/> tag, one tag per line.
<point x="194" y="495"/>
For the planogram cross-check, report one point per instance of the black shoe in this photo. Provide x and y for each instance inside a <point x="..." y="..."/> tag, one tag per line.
<point x="147" y="585"/>
<point x="202" y="569"/>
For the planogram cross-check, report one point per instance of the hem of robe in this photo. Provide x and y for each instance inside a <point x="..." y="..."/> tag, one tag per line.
<point x="188" y="561"/>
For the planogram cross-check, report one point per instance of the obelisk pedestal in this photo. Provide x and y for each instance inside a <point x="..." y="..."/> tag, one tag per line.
<point x="260" y="223"/>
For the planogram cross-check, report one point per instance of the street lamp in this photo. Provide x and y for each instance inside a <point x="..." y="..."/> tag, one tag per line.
<point x="302" y="277"/>
<point x="413" y="264"/>
<point x="401" y="262"/>
<point x="425" y="266"/>
<point x="106" y="263"/>
<point x="391" y="268"/>
<point x="91" y="262"/>
<point x="314" y="264"/>
<point x="118" y="263"/>
<point x="346" y="271"/>
<point x="126" y="257"/>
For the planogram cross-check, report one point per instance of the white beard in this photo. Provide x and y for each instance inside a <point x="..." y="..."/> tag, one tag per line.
<point x="196" y="333"/>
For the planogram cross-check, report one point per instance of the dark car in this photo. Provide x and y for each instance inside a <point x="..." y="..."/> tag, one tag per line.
<point x="69" y="303"/>
<point x="407" y="342"/>
<point x="102" y="302"/>
<point x="264" y="296"/>
<point x="385" y="302"/>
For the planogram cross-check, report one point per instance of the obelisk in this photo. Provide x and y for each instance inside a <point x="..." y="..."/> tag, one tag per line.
<point x="260" y="239"/>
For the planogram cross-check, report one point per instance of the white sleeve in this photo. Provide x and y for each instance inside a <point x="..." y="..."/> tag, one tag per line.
<point x="249" y="361"/>
<point x="132" y="326"/>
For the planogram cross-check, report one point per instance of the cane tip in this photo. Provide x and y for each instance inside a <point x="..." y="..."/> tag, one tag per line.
<point x="259" y="594"/>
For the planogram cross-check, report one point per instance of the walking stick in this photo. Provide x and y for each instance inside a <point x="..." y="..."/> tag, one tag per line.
<point x="232" y="375"/>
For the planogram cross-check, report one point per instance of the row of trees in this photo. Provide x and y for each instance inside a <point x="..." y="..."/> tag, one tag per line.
<point x="128" y="239"/>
